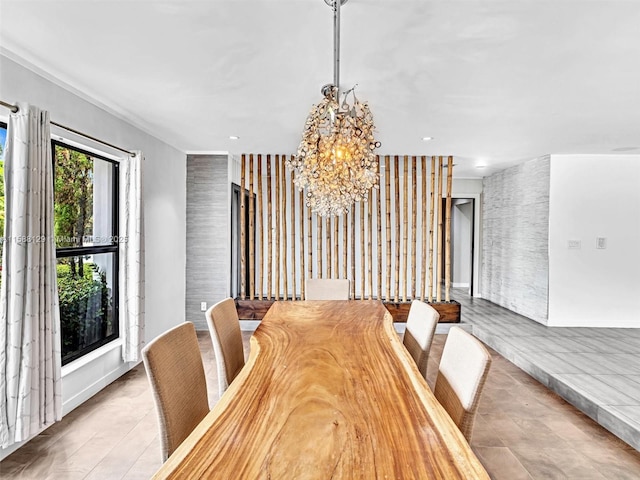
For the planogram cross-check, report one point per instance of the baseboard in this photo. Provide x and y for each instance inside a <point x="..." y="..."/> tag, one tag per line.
<point x="82" y="396"/>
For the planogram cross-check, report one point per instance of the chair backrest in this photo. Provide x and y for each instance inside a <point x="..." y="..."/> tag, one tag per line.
<point x="224" y="327"/>
<point x="421" y="325"/>
<point x="174" y="367"/>
<point x="327" y="289"/>
<point x="461" y="377"/>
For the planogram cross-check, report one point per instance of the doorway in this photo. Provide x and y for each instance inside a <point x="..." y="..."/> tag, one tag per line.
<point x="462" y="243"/>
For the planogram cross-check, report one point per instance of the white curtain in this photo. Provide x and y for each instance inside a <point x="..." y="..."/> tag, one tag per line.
<point x="30" y="360"/>
<point x="132" y="255"/>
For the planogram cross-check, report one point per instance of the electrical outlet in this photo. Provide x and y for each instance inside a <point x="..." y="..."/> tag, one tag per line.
<point x="573" y="244"/>
<point x="203" y="306"/>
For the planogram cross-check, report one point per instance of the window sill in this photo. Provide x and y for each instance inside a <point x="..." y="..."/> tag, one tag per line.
<point x="90" y="357"/>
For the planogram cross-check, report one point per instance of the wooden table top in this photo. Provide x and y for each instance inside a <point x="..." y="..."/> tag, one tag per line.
<point x="328" y="391"/>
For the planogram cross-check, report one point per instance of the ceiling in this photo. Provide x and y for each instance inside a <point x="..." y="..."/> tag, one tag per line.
<point x="493" y="82"/>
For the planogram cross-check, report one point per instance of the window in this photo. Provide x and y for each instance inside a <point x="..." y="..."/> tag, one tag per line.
<point x="86" y="235"/>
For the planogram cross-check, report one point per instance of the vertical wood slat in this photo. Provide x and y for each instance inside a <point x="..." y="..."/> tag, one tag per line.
<point x="276" y="249"/>
<point x="293" y="238"/>
<point x="269" y="230"/>
<point x="396" y="182"/>
<point x="362" y="251"/>
<point x="353" y="252"/>
<point x="252" y="232"/>
<point x="336" y="244"/>
<point x="370" y="243"/>
<point x="302" y="254"/>
<point x="387" y="195"/>
<point x="345" y="244"/>
<point x="319" y="242"/>
<point x="414" y="208"/>
<point x="431" y="224"/>
<point x="329" y="246"/>
<point x="283" y="206"/>
<point x="423" y="276"/>
<point x="309" y="244"/>
<point x="242" y="230"/>
<point x="260" y="232"/>
<point x="405" y="225"/>
<point x="447" y="253"/>
<point x="439" y="234"/>
<point x="379" y="227"/>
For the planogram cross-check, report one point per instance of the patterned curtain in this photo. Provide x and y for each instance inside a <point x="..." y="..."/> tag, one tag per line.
<point x="132" y="255"/>
<point x="30" y="360"/>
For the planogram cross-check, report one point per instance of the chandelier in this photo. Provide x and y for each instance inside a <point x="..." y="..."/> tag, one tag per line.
<point x="336" y="161"/>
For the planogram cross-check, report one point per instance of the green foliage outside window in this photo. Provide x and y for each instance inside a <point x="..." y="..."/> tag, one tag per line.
<point x="85" y="306"/>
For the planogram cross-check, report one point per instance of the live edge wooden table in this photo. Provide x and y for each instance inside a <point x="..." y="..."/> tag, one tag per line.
<point x="328" y="392"/>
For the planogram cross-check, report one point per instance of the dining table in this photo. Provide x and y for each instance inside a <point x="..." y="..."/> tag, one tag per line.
<point x="328" y="392"/>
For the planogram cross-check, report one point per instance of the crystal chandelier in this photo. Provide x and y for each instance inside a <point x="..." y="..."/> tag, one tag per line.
<point x="336" y="161"/>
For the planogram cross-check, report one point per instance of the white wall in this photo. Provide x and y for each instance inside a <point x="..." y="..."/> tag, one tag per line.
<point x="165" y="213"/>
<point x="594" y="196"/>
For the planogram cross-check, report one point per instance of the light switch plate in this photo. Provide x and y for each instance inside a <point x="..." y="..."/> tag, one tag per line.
<point x="601" y="242"/>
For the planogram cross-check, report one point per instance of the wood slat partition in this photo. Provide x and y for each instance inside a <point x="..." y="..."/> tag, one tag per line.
<point x="392" y="246"/>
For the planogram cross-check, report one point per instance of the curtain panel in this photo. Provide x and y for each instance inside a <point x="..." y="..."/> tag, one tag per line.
<point x="30" y="359"/>
<point x="132" y="282"/>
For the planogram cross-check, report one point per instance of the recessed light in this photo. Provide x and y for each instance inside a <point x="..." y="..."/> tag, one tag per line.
<point x="234" y="137"/>
<point x="427" y="139"/>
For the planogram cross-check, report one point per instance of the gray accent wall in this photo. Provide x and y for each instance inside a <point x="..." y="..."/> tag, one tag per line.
<point x="515" y="238"/>
<point x="208" y="244"/>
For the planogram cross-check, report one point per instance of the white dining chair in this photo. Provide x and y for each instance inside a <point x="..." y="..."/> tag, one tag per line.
<point x="418" y="336"/>
<point x="463" y="370"/>
<point x="327" y="289"/>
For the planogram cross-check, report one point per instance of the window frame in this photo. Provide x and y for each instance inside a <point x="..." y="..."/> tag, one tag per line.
<point x="113" y="247"/>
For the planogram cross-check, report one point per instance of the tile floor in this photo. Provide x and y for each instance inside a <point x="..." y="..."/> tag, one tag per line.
<point x="595" y="369"/>
<point x="523" y="430"/>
